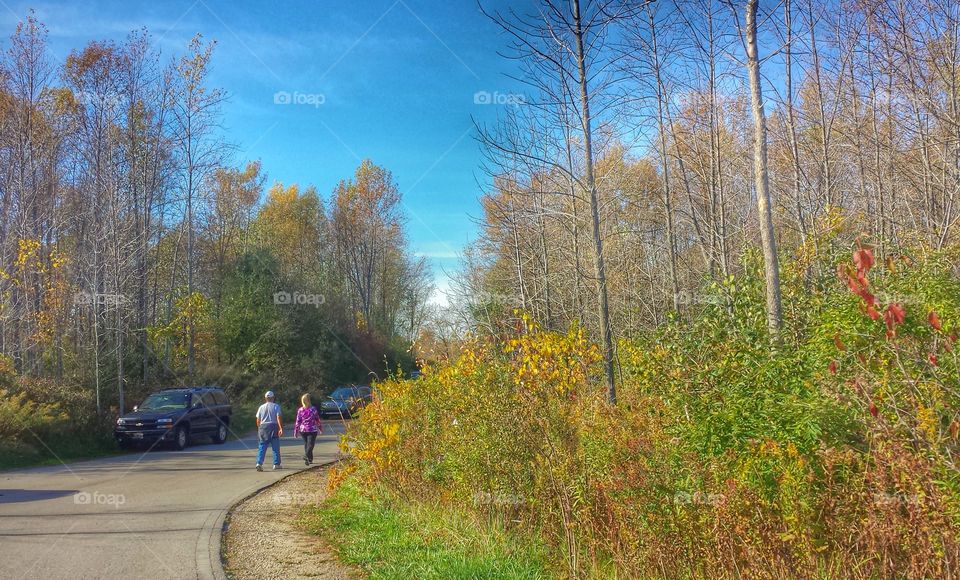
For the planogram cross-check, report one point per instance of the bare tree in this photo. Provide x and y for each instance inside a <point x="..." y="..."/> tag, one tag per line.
<point x="760" y="175"/>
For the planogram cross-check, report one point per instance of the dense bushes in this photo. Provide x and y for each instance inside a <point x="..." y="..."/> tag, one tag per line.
<point x="831" y="451"/>
<point x="45" y="420"/>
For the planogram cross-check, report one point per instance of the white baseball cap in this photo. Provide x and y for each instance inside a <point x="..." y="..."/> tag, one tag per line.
<point x="269" y="395"/>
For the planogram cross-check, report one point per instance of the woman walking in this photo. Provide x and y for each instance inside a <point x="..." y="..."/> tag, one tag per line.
<point x="307" y="426"/>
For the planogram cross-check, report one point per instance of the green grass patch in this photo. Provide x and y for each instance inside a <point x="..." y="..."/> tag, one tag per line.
<point x="15" y="454"/>
<point x="390" y="539"/>
<point x="243" y="421"/>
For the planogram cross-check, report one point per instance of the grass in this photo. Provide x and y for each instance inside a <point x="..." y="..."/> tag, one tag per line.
<point x="242" y="421"/>
<point x="15" y="455"/>
<point x="390" y="539"/>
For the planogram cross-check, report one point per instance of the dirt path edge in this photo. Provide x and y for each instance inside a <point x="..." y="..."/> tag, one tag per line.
<point x="231" y="514"/>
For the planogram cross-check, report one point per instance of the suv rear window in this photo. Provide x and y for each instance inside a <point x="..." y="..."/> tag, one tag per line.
<point x="209" y="400"/>
<point x="220" y="397"/>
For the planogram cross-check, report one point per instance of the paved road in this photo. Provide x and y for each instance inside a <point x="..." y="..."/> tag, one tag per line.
<point x="155" y="515"/>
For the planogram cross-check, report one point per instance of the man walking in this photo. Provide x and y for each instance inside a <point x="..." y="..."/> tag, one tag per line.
<point x="269" y="430"/>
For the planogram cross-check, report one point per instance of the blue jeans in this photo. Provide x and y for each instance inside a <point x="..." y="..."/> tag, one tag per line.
<point x="268" y="436"/>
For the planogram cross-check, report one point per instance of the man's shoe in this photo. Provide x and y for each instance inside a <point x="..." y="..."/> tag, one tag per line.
<point x="276" y="466"/>
<point x="259" y="467"/>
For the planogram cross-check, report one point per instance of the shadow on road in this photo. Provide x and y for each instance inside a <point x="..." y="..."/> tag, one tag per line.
<point x="25" y="495"/>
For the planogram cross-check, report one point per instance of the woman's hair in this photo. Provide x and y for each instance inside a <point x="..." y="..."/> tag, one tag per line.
<point x="305" y="400"/>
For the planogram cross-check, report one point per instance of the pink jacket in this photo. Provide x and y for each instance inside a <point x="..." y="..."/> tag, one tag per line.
<point x="308" y="421"/>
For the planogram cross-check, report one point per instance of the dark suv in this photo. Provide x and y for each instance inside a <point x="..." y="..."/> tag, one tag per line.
<point x="176" y="416"/>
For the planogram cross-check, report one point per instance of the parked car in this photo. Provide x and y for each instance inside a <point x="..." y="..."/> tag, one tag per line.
<point x="346" y="401"/>
<point x="176" y="416"/>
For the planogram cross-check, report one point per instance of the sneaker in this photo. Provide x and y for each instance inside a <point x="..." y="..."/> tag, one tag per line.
<point x="306" y="462"/>
<point x="276" y="466"/>
<point x="259" y="467"/>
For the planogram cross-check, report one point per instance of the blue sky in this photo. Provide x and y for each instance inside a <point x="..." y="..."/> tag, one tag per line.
<point x="396" y="78"/>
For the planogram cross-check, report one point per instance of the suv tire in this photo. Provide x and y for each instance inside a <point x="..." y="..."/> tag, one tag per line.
<point x="221" y="435"/>
<point x="181" y="438"/>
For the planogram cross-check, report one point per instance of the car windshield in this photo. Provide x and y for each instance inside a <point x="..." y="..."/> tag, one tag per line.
<point x="343" y="393"/>
<point x="165" y="402"/>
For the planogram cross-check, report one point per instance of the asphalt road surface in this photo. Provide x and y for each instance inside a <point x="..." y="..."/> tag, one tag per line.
<point x="147" y="515"/>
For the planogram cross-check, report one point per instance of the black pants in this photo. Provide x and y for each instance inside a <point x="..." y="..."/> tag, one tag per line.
<point x="309" y="440"/>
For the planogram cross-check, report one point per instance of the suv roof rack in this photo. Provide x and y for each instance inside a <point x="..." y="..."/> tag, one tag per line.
<point x="190" y="389"/>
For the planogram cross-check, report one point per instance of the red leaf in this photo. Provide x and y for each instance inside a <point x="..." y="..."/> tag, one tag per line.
<point x="872" y="312"/>
<point x="873" y="410"/>
<point x="863" y="260"/>
<point x="893" y="317"/>
<point x="934" y="320"/>
<point x="954" y="428"/>
<point x="898" y="311"/>
<point x="839" y="343"/>
<point x="833" y="367"/>
<point x="933" y="359"/>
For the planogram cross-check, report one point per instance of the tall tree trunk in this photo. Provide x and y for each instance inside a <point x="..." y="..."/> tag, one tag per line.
<point x="599" y="269"/>
<point x="761" y="178"/>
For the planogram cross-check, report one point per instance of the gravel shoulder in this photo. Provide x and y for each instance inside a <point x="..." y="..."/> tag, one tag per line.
<point x="262" y="540"/>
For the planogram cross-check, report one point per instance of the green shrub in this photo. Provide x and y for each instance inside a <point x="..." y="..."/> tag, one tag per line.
<point x="827" y="451"/>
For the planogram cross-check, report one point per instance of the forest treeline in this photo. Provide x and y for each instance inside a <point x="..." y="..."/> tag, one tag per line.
<point x="630" y="174"/>
<point x="138" y="252"/>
